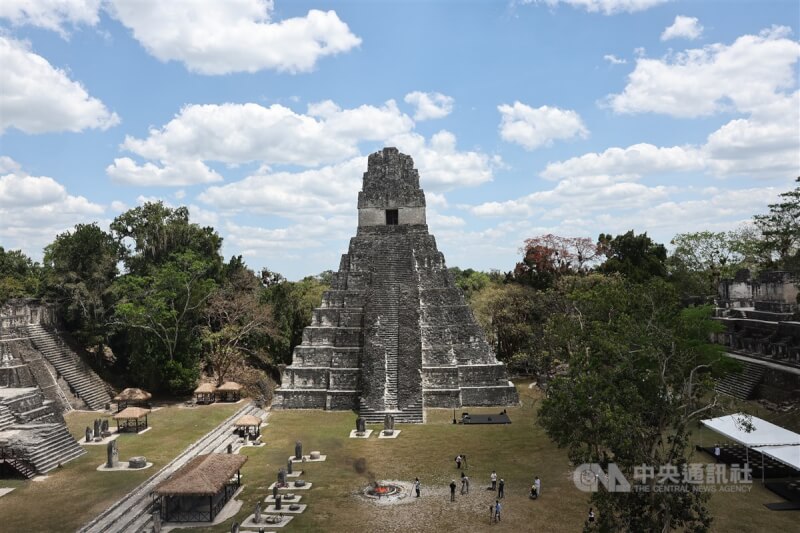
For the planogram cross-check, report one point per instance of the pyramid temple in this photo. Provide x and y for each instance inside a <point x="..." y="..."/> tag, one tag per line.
<point x="394" y="334"/>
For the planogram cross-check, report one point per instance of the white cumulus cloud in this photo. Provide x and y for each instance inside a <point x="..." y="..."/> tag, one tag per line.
<point x="746" y="76"/>
<point x="636" y="160"/>
<point x="51" y="14"/>
<point x="614" y="60"/>
<point x="441" y="165"/>
<point x="240" y="133"/>
<point x="683" y="27"/>
<point x="325" y="190"/>
<point x="535" y="127"/>
<point x="429" y="105"/>
<point x="34" y="209"/>
<point x="213" y="37"/>
<point x="35" y="97"/>
<point x="607" y="7"/>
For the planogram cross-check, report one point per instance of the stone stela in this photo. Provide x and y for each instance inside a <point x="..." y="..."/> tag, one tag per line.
<point x="113" y="455"/>
<point x="393" y="334"/>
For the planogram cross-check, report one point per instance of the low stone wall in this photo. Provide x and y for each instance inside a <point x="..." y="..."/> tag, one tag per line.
<point x="488" y="396"/>
<point x="442" y="397"/>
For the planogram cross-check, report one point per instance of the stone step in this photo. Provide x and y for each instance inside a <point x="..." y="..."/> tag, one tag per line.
<point x="21" y="466"/>
<point x="82" y="379"/>
<point x="741" y="385"/>
<point x="57" y="447"/>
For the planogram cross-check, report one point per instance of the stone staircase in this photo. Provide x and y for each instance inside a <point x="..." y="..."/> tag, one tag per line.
<point x="21" y="466"/>
<point x="385" y="301"/>
<point x="56" y="447"/>
<point x="741" y="385"/>
<point x="88" y="386"/>
<point x="412" y="414"/>
<point x="391" y="273"/>
<point x="6" y="417"/>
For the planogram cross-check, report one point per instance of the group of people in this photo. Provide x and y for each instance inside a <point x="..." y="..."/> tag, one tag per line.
<point x="497" y="484"/>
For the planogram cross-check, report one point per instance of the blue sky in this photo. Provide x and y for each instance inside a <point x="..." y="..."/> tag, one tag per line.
<point x="573" y="117"/>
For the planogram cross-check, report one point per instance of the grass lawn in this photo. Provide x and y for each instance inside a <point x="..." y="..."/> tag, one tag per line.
<point x="77" y="492"/>
<point x="517" y="452"/>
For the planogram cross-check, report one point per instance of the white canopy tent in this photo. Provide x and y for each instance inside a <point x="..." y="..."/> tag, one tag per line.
<point x="765" y="437"/>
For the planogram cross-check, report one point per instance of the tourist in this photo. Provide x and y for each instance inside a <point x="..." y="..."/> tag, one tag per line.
<point x="466" y="483"/>
<point x="500" y="489"/>
<point x="538" y="484"/>
<point x="463" y="483"/>
<point x="416" y="486"/>
<point x="458" y="461"/>
<point x="534" y="493"/>
<point x="591" y="516"/>
<point x="493" y="477"/>
<point x="497" y="508"/>
<point x="453" y="490"/>
<point x="716" y="452"/>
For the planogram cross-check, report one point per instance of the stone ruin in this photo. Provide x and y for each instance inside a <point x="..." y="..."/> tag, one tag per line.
<point x="761" y="315"/>
<point x="393" y="334"/>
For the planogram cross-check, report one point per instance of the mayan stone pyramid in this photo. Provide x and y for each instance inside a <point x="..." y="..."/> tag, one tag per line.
<point x="394" y="334"/>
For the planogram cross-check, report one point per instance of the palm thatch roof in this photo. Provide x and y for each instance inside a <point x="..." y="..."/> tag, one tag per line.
<point x="229" y="386"/>
<point x="205" y="388"/>
<point x="131" y="412"/>
<point x="248" y="420"/>
<point x="133" y="395"/>
<point x="205" y="475"/>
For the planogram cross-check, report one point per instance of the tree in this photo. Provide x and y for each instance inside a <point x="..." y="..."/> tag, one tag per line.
<point x="20" y="277"/>
<point x="700" y="259"/>
<point x="639" y="373"/>
<point x="634" y="256"/>
<point x="172" y="267"/>
<point x="471" y="281"/>
<point x="236" y="323"/>
<point x="153" y="232"/>
<point x="166" y="307"/>
<point x="547" y="257"/>
<point x="780" y="229"/>
<point x="513" y="317"/>
<point x="82" y="266"/>
<point x="292" y="306"/>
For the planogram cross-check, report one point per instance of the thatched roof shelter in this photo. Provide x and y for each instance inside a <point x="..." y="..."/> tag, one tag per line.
<point x="131" y="413"/>
<point x="230" y="391"/>
<point x="130" y="418"/>
<point x="247" y="421"/>
<point x="205" y="475"/>
<point x="229" y="386"/>
<point x="205" y="388"/>
<point x="133" y="395"/>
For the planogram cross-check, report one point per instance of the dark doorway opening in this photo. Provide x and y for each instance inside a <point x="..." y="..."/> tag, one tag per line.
<point x="391" y="217"/>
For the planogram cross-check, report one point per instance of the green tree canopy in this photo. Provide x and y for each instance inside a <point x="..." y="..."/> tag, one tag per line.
<point x="638" y="374"/>
<point x="636" y="257"/>
<point x="82" y="266"/>
<point x="292" y="305"/>
<point x="780" y="231"/>
<point x="19" y="276"/>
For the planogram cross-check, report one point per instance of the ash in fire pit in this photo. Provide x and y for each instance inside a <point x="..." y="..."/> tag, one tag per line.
<point x="386" y="491"/>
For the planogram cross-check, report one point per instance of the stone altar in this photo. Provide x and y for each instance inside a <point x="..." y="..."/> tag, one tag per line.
<point x="393" y="334"/>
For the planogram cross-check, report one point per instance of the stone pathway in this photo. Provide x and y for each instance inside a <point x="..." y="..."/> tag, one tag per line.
<point x="131" y="514"/>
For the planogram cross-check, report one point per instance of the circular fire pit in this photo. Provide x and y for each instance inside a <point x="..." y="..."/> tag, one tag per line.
<point x="385" y="491"/>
